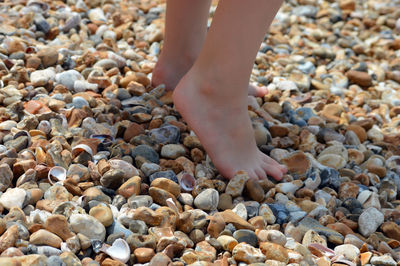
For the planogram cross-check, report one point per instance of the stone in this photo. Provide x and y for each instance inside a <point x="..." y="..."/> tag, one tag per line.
<point x="48" y="56"/>
<point x="361" y="78"/>
<point x="9" y="238"/>
<point x="255" y="190"/>
<point x="58" y="225"/>
<point x="383" y="260"/>
<point x="239" y="223"/>
<point x="130" y="187"/>
<point x="172" y="151"/>
<point x="349" y="251"/>
<point x="160" y="259"/>
<point x="207" y="200"/>
<point x="273" y="236"/>
<point x="369" y="220"/>
<point x="44" y="237"/>
<point x="391" y="230"/>
<point x="247" y="254"/>
<point x="144" y="255"/>
<point x="133" y="130"/>
<point x="236" y="184"/>
<point x="103" y="214"/>
<point x="160" y="196"/>
<point x="168" y="185"/>
<point x="348" y="190"/>
<point x="13" y="197"/>
<point x="216" y="225"/>
<point x="112" y="178"/>
<point x="274" y="251"/>
<point x="308" y="223"/>
<point x="88" y="226"/>
<point x="167" y="134"/>
<point x="227" y="242"/>
<point x="68" y="78"/>
<point x="247" y="236"/>
<point x="225" y="202"/>
<point x="311" y="237"/>
<point x="6" y="176"/>
<point x="297" y="163"/>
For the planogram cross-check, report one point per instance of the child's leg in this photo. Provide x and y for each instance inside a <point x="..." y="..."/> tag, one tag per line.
<point x="212" y="96"/>
<point x="185" y="32"/>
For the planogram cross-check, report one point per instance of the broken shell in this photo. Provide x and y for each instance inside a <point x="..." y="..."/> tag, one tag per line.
<point x="44" y="126"/>
<point x="29" y="175"/>
<point x="172" y="205"/>
<point x="344" y="261"/>
<point x="103" y="137"/>
<point x="326" y="251"/>
<point x="81" y="148"/>
<point x="58" y="173"/>
<point x="118" y="251"/>
<point x="64" y="247"/>
<point x="126" y="167"/>
<point x="187" y="182"/>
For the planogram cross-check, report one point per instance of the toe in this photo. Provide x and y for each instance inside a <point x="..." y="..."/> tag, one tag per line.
<point x="274" y="163"/>
<point x="260" y="173"/>
<point x="273" y="171"/>
<point x="257" y="91"/>
<point x="252" y="174"/>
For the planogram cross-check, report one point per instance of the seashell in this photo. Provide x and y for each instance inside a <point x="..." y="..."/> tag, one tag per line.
<point x="44" y="126"/>
<point x="105" y="139"/>
<point x="29" y="175"/>
<point x="20" y="133"/>
<point x="64" y="247"/>
<point x="27" y="155"/>
<point x="57" y="172"/>
<point x="81" y="148"/>
<point x="42" y="5"/>
<point x="172" y="205"/>
<point x="31" y="50"/>
<point x="126" y="167"/>
<point x="344" y="261"/>
<point x="118" y="251"/>
<point x="393" y="163"/>
<point x="187" y="182"/>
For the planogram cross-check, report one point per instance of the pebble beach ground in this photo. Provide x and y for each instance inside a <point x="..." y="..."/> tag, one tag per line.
<point x="98" y="168"/>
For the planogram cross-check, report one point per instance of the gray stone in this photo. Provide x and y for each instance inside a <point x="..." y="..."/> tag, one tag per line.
<point x="88" y="226"/>
<point x="207" y="200"/>
<point x="369" y="221"/>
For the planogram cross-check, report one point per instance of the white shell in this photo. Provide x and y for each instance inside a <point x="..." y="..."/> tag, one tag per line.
<point x="118" y="251"/>
<point x="80" y="148"/>
<point x="172" y="205"/>
<point x="58" y="172"/>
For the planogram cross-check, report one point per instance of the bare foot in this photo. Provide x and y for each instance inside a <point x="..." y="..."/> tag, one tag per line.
<point x="171" y="74"/>
<point x="224" y="129"/>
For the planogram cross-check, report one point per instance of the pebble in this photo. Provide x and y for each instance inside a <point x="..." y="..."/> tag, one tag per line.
<point x="369" y="220"/>
<point x="207" y="200"/>
<point x="88" y="226"/>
